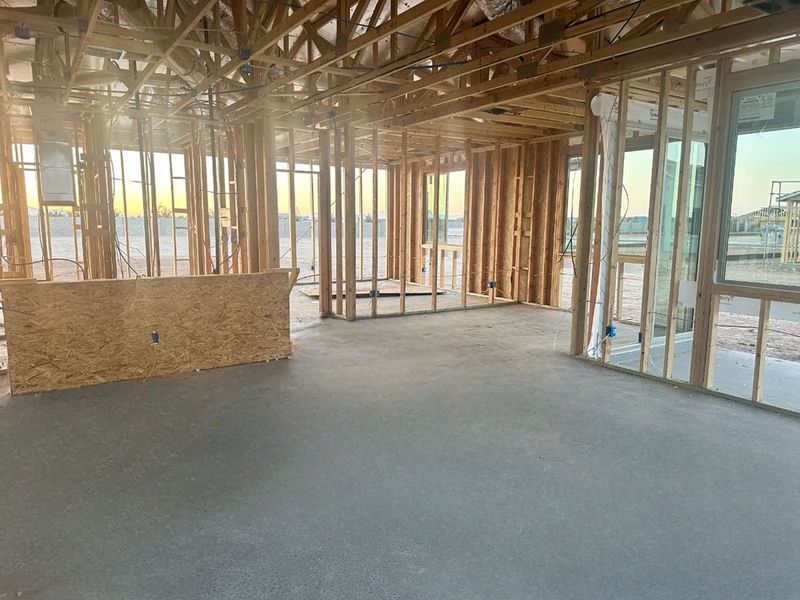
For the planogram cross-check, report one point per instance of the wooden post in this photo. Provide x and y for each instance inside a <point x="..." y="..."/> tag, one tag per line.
<point x="375" y="223"/>
<point x="145" y="198"/>
<point x="292" y="201"/>
<point x="350" y="222"/>
<point x="539" y="222"/>
<point x="680" y="221"/>
<point x="390" y="237"/>
<point x="361" y="223"/>
<point x="313" y="225"/>
<point x="435" y="233"/>
<point x="125" y="211"/>
<point x="453" y="272"/>
<point x="580" y="288"/>
<point x="172" y="206"/>
<point x="493" y="233"/>
<point x="271" y="181"/>
<point x="337" y="161"/>
<point x="151" y="177"/>
<point x="238" y="167"/>
<point x="325" y="283"/>
<point x="254" y="235"/>
<point x="654" y="223"/>
<point x="261" y="194"/>
<point x="761" y="351"/>
<point x="465" y="257"/>
<point x="707" y="304"/>
<point x="620" y="289"/>
<point x="616" y="205"/>
<point x="558" y="198"/>
<point x="403" y="200"/>
<point x="518" y="224"/>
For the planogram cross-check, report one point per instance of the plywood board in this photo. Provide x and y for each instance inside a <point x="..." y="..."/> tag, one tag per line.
<point x="71" y="334"/>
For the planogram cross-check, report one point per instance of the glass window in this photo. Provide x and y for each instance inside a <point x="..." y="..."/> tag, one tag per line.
<point x="761" y="223"/>
<point x="451" y="207"/>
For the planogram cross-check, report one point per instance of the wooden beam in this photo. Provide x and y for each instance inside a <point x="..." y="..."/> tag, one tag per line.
<point x="409" y="16"/>
<point x="90" y="19"/>
<point x="733" y="29"/>
<point x="187" y="25"/>
<point x="295" y="20"/>
<point x="519" y="222"/>
<point x="292" y="201"/>
<point x="464" y="38"/>
<point x="616" y="208"/>
<point x="3" y="69"/>
<point x="680" y="221"/>
<point x="350" y="222"/>
<point x="761" y="351"/>
<point x="271" y="198"/>
<point x="325" y="283"/>
<point x="403" y="199"/>
<point x="490" y="60"/>
<point x="654" y="224"/>
<point x="494" y="235"/>
<point x="580" y="288"/>
<point x="374" y="286"/>
<point x="465" y="236"/>
<point x="337" y="182"/>
<point x="706" y="302"/>
<point x="434" y="274"/>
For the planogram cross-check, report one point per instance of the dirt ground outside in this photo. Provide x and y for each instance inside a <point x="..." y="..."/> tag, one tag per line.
<point x="737" y="327"/>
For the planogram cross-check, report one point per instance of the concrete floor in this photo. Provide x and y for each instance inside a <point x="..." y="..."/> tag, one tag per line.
<point x="446" y="456"/>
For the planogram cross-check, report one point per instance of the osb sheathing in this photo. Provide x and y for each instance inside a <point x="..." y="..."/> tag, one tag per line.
<point x="70" y="334"/>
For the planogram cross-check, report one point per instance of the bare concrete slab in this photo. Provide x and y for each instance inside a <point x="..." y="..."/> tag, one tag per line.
<point x="457" y="455"/>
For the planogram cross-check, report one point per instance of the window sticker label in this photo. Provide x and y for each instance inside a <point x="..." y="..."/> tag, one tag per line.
<point x="757" y="107"/>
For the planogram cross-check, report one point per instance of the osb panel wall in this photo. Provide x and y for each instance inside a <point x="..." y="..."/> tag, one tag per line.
<point x="69" y="334"/>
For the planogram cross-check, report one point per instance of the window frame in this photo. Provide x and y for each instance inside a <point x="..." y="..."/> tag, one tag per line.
<point x="729" y="166"/>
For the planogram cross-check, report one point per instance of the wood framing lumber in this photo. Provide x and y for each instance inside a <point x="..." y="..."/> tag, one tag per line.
<point x="187" y="26"/>
<point x="292" y="201"/>
<point x="761" y="351"/>
<point x="403" y="200"/>
<point x="706" y="302"/>
<point x="434" y="262"/>
<point x="467" y="231"/>
<point x="719" y="32"/>
<point x="402" y="20"/>
<point x="680" y="221"/>
<point x="618" y="166"/>
<point x="654" y="225"/>
<point x="91" y="17"/>
<point x="350" y="223"/>
<point x="495" y="212"/>
<point x="271" y="198"/>
<point x="580" y="284"/>
<point x="374" y="225"/>
<point x="454" y="42"/>
<point x="486" y="61"/>
<point x="337" y="182"/>
<point x="325" y="277"/>
<point x="292" y="22"/>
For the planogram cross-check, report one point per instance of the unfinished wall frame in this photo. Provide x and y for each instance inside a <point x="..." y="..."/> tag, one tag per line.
<point x="703" y="305"/>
